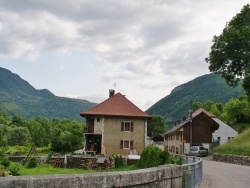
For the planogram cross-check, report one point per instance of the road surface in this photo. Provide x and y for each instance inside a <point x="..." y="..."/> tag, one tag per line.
<point x="220" y="175"/>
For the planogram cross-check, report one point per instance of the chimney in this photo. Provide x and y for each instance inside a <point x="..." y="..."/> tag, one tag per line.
<point x="111" y="92"/>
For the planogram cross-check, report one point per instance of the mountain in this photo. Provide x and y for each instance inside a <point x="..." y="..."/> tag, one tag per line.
<point x="207" y="87"/>
<point x="17" y="96"/>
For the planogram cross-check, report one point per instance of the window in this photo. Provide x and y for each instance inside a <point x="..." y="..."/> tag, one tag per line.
<point x="98" y="119"/>
<point x="127" y="126"/>
<point x="126" y="144"/>
<point x="177" y="137"/>
<point x="218" y="138"/>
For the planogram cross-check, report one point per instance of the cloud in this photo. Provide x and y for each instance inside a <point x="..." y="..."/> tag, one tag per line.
<point x="143" y="45"/>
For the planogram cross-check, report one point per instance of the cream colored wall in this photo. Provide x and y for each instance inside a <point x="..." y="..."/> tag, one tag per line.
<point x="174" y="142"/>
<point x="98" y="125"/>
<point x="112" y="135"/>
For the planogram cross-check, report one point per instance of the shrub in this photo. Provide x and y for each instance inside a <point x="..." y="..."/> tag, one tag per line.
<point x="4" y="161"/>
<point x="119" y="162"/>
<point x="14" y="169"/>
<point x="153" y="156"/>
<point x="176" y="159"/>
<point x="32" y="163"/>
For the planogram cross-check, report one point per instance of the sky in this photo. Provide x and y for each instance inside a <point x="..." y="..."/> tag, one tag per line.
<point x="82" y="48"/>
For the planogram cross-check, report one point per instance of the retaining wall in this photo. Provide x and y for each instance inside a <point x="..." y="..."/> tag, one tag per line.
<point x="235" y="159"/>
<point x="167" y="176"/>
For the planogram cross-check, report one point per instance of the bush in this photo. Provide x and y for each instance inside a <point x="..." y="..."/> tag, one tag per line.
<point x="119" y="162"/>
<point x="14" y="169"/>
<point x="176" y="159"/>
<point x="153" y="156"/>
<point x="4" y="161"/>
<point x="32" y="163"/>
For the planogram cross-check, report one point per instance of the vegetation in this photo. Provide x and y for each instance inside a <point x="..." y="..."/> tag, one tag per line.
<point x="157" y="125"/>
<point x="18" y="135"/>
<point x="153" y="156"/>
<point x="236" y="112"/>
<point x="229" y="53"/>
<point x="177" y="105"/>
<point x="18" y="97"/>
<point x="240" y="145"/>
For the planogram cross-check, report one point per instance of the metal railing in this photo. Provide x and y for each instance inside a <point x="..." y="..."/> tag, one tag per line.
<point x="192" y="172"/>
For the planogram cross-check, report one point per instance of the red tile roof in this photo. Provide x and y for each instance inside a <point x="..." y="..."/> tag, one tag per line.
<point x="197" y="112"/>
<point x="117" y="105"/>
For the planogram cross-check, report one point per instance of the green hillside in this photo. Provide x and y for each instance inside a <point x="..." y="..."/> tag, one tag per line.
<point x="240" y="145"/>
<point x="17" y="96"/>
<point x="206" y="87"/>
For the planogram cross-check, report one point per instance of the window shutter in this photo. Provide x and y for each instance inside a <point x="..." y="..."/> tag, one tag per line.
<point x="131" y="144"/>
<point x="121" y="144"/>
<point x="132" y="126"/>
<point x="122" y="126"/>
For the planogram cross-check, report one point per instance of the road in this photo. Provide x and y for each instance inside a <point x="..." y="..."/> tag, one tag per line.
<point x="220" y="175"/>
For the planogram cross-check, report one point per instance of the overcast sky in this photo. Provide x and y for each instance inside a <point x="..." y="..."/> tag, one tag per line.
<point x="80" y="48"/>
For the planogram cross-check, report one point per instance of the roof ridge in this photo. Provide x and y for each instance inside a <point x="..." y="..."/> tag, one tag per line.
<point x="116" y="105"/>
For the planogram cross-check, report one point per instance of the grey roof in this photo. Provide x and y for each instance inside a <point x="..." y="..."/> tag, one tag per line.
<point x="176" y="127"/>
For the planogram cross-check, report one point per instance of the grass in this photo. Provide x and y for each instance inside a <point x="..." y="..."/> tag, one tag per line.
<point x="240" y="145"/>
<point x="47" y="169"/>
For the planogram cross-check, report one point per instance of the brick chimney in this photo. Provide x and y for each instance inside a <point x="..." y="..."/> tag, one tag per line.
<point x="111" y="92"/>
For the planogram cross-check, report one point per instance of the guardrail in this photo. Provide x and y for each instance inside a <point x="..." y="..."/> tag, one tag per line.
<point x="192" y="172"/>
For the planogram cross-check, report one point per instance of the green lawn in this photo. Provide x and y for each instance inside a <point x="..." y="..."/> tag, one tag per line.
<point x="47" y="169"/>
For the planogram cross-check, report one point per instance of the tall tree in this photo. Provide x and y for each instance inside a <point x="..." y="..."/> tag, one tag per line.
<point x="157" y="125"/>
<point x="230" y="52"/>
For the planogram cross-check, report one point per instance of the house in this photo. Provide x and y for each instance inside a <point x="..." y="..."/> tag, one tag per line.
<point x="200" y="124"/>
<point x="115" y="126"/>
<point x="225" y="133"/>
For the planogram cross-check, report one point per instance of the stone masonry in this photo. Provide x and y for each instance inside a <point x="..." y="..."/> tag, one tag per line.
<point x="167" y="176"/>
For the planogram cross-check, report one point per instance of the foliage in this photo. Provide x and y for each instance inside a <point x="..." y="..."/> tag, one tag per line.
<point x="119" y="162"/>
<point x="153" y="156"/>
<point x="240" y="145"/>
<point x="209" y="105"/>
<point x="18" y="150"/>
<point x="32" y="162"/>
<point x="229" y="53"/>
<point x="236" y="110"/>
<point x="157" y="125"/>
<point x="15" y="169"/>
<point x="5" y="162"/>
<point x="18" y="136"/>
<point x="177" y="104"/>
<point x="176" y="159"/>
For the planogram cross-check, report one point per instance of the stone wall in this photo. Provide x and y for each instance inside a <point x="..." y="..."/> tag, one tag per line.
<point x="235" y="159"/>
<point x="167" y="176"/>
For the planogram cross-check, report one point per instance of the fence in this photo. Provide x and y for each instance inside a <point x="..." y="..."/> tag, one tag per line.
<point x="192" y="172"/>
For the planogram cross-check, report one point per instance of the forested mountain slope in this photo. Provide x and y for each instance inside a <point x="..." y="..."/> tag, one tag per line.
<point x="207" y="87"/>
<point x="17" y="96"/>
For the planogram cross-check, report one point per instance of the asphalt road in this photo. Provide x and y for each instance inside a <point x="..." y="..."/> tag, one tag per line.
<point x="220" y="175"/>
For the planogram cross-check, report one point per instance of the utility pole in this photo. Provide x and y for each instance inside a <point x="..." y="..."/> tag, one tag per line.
<point x="191" y="123"/>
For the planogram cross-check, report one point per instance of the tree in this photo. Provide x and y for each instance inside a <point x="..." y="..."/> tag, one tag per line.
<point x="237" y="110"/>
<point x="230" y="52"/>
<point x="18" y="136"/>
<point x="157" y="125"/>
